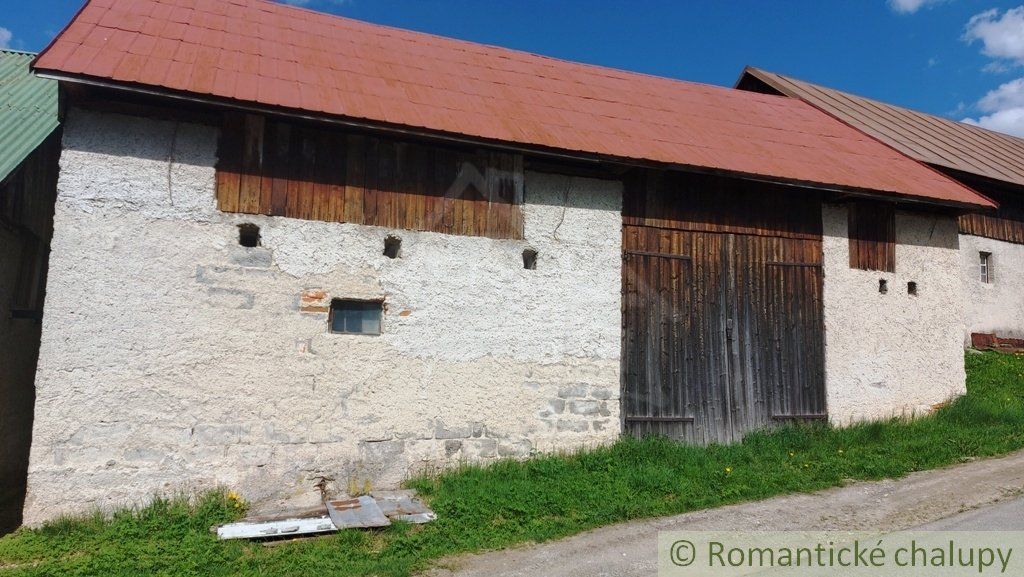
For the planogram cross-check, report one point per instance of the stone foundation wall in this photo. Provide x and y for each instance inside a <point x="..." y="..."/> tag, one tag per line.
<point x="175" y="359"/>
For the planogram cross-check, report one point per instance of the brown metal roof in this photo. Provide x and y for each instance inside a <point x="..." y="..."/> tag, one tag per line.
<point x="271" y="55"/>
<point x="938" y="141"/>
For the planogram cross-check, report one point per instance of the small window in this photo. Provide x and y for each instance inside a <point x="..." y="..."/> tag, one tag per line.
<point x="530" y="259"/>
<point x="249" y="235"/>
<point x="912" y="288"/>
<point x="883" y="286"/>
<point x="986" y="266"/>
<point x="355" y="317"/>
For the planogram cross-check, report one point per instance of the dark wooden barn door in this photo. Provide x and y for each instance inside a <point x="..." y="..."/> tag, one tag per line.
<point x="722" y="313"/>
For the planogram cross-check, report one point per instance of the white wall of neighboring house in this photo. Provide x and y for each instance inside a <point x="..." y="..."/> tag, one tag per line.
<point x="996" y="307"/>
<point x="894" y="353"/>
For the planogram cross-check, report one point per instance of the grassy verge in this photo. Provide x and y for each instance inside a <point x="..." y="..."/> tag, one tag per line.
<point x="543" y="498"/>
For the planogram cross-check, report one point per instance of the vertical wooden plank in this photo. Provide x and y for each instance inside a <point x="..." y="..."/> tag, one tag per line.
<point x="229" y="161"/>
<point x="293" y="204"/>
<point x="372" y="195"/>
<point x="332" y="164"/>
<point x="386" y="178"/>
<point x="250" y="183"/>
<point x="445" y="171"/>
<point x="355" y="178"/>
<point x="427" y="214"/>
<point x="278" y="167"/>
<point x="518" y="198"/>
<point x="307" y="174"/>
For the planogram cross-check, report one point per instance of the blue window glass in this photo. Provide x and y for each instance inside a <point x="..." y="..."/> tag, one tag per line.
<point x="356" y="317"/>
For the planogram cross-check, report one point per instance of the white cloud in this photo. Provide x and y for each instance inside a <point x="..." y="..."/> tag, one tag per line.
<point x="910" y="6"/>
<point x="5" y="37"/>
<point x="1001" y="35"/>
<point x="1002" y="38"/>
<point x="1003" y="109"/>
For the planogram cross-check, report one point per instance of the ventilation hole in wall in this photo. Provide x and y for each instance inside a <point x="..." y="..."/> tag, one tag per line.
<point x="530" y="259"/>
<point x="883" y="286"/>
<point x="248" y="235"/>
<point x="392" y="247"/>
<point x="912" y="288"/>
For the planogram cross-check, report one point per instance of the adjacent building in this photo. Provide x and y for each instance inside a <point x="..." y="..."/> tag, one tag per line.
<point x="992" y="163"/>
<point x="29" y="148"/>
<point x="292" y="248"/>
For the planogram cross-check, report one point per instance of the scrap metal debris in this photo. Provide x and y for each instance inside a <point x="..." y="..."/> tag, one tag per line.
<point x="260" y="528"/>
<point x="359" y="512"/>
<point x="375" y="510"/>
<point x="403" y="506"/>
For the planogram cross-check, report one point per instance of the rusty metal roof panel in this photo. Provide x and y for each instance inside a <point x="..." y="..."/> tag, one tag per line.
<point x="253" y="51"/>
<point x="28" y="109"/>
<point x="925" y="137"/>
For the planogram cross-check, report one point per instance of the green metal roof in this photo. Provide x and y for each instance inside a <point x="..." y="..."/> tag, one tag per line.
<point x="28" y="109"/>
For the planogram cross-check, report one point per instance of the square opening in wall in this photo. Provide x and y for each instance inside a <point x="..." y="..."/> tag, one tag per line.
<point x="249" y="235"/>
<point x="351" y="317"/>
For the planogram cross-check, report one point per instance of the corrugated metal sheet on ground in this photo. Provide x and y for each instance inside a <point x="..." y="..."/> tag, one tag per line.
<point x="925" y="137"/>
<point x="28" y="109"/>
<point x="282" y="56"/>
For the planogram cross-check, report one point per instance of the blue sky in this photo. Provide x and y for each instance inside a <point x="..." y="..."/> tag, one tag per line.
<point x="958" y="58"/>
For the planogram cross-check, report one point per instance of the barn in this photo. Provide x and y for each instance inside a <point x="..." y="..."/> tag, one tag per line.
<point x="293" y="249"/>
<point x="991" y="242"/>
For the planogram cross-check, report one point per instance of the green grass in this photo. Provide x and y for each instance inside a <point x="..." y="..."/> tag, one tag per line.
<point x="542" y="498"/>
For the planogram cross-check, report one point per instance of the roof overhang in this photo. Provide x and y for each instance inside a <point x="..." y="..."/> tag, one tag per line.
<point x="465" y="140"/>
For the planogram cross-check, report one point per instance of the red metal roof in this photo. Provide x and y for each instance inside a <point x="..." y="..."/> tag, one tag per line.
<point x="270" y="54"/>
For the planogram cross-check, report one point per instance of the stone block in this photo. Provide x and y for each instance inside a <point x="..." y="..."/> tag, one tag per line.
<point x="573" y="426"/>
<point x="585" y="407"/>
<point x="573" y="391"/>
<point x="451" y="447"/>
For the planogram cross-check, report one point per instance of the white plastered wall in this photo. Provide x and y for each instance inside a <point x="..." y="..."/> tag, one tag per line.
<point x="173" y="358"/>
<point x="996" y="307"/>
<point x="893" y="354"/>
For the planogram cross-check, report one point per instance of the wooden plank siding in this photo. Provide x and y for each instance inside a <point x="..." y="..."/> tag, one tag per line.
<point x="723" y="328"/>
<point x="1002" y="226"/>
<point x="872" y="230"/>
<point x="710" y="203"/>
<point x="277" y="168"/>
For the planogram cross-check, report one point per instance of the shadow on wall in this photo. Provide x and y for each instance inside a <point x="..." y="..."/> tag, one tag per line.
<point x="27" y="198"/>
<point x="19" y="350"/>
